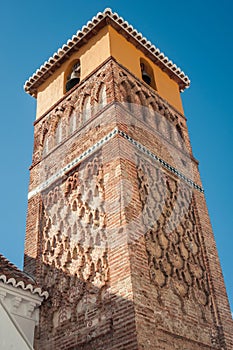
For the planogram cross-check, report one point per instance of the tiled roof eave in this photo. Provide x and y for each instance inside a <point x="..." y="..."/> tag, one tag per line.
<point x="21" y="284"/>
<point x="90" y="29"/>
<point x="52" y="65"/>
<point x="12" y="275"/>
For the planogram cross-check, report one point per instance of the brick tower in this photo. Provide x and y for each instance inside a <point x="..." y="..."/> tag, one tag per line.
<point x="118" y="231"/>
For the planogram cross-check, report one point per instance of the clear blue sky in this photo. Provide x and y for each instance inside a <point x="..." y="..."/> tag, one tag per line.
<point x="196" y="35"/>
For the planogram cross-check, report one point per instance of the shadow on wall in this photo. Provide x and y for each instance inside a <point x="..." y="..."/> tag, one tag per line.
<point x="82" y="314"/>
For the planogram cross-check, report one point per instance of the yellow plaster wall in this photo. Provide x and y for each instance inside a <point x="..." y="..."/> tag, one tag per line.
<point x="129" y="56"/>
<point x="91" y="55"/>
<point x="105" y="43"/>
<point x="50" y="92"/>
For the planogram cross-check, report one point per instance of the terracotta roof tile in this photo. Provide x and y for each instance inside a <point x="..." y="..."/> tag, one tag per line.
<point x="96" y="23"/>
<point x="10" y="274"/>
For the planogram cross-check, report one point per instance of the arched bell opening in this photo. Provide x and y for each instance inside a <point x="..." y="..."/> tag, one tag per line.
<point x="73" y="77"/>
<point x="147" y="73"/>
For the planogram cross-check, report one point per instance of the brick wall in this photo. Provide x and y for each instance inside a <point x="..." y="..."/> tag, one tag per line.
<point x="117" y="228"/>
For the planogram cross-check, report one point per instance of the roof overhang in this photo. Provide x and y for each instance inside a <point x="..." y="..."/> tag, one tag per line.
<point x="88" y="31"/>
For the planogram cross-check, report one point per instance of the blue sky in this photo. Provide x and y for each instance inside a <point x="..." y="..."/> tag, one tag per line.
<point x="196" y="35"/>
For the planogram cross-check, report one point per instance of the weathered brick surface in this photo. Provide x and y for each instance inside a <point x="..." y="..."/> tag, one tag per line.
<point x="123" y="246"/>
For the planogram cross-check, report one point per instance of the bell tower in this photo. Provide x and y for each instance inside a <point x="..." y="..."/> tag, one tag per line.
<point x="118" y="231"/>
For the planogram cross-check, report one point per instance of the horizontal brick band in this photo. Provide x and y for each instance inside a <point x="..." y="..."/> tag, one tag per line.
<point x="72" y="164"/>
<point x="98" y="145"/>
<point x="161" y="161"/>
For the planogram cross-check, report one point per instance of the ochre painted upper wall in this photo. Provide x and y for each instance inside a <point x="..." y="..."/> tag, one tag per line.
<point x="107" y="42"/>
<point x="91" y="55"/>
<point x="129" y="56"/>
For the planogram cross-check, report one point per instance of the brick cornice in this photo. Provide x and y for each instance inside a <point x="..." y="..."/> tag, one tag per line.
<point x="82" y="83"/>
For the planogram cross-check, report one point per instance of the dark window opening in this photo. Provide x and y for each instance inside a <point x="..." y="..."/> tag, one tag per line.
<point x="145" y="75"/>
<point x="74" y="78"/>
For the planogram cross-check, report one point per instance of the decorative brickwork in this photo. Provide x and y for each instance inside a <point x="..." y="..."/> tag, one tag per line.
<point x="74" y="244"/>
<point x="175" y="255"/>
<point x="117" y="229"/>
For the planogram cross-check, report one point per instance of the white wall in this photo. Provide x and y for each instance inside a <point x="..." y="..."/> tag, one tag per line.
<point x="10" y="337"/>
<point x="19" y="313"/>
